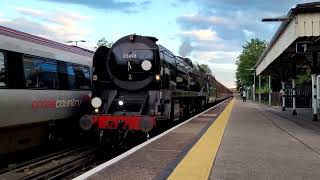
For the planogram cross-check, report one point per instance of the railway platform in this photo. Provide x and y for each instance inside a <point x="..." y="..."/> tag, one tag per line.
<point x="233" y="140"/>
<point x="262" y="142"/>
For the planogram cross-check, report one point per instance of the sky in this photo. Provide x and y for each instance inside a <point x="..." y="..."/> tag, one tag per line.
<point x="207" y="31"/>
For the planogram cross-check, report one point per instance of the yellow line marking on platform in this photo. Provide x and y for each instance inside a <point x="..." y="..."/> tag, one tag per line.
<point x="198" y="162"/>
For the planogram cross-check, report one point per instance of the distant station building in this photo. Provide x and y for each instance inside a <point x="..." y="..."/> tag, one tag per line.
<point x="294" y="52"/>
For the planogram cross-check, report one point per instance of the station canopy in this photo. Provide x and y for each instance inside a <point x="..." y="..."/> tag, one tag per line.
<point x="299" y="31"/>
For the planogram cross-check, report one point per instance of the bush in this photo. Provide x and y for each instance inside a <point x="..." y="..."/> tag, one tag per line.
<point x="263" y="90"/>
<point x="303" y="79"/>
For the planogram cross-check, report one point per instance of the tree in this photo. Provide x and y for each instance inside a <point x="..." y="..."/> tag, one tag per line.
<point x="204" y="67"/>
<point x="104" y="42"/>
<point x="250" y="54"/>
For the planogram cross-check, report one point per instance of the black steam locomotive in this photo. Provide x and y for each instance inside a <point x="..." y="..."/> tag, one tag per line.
<point x="138" y="84"/>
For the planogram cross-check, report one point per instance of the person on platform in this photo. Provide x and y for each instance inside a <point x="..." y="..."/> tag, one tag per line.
<point x="244" y="96"/>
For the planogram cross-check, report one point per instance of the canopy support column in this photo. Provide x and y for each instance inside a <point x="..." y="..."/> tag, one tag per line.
<point x="293" y="80"/>
<point x="314" y="97"/>
<point x="254" y="87"/>
<point x="294" y="112"/>
<point x="259" y="88"/>
<point x="270" y="90"/>
<point x="283" y="84"/>
<point x="314" y="85"/>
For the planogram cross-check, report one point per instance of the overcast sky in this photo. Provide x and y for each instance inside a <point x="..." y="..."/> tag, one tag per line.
<point x="207" y="31"/>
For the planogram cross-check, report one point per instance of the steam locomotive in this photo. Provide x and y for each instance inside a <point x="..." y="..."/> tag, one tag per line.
<point x="138" y="84"/>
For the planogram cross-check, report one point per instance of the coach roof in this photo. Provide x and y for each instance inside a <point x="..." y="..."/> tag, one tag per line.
<point x="42" y="41"/>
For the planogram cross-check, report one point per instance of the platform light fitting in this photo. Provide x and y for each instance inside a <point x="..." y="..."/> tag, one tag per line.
<point x="76" y="41"/>
<point x="275" y="19"/>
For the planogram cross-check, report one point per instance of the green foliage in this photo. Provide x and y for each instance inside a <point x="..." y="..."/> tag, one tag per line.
<point x="263" y="90"/>
<point x="250" y="54"/>
<point x="104" y="42"/>
<point x="204" y="67"/>
<point x="303" y="79"/>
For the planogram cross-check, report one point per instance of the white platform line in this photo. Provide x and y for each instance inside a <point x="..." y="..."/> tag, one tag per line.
<point x="127" y="153"/>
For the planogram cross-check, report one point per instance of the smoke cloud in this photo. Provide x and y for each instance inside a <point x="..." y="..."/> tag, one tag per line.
<point x="186" y="48"/>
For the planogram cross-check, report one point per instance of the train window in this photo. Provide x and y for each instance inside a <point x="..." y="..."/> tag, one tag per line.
<point x="40" y="73"/>
<point x="63" y="75"/>
<point x="78" y="77"/>
<point x="71" y="78"/>
<point x="3" y="78"/>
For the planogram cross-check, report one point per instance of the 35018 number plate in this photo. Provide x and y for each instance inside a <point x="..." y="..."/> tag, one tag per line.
<point x="129" y="56"/>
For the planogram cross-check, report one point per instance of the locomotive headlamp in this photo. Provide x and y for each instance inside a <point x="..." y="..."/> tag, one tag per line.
<point x="96" y="102"/>
<point x="96" y="110"/>
<point x="158" y="77"/>
<point x="121" y="103"/>
<point x="95" y="77"/>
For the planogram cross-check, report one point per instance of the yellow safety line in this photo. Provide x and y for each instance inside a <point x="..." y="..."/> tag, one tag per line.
<point x="198" y="162"/>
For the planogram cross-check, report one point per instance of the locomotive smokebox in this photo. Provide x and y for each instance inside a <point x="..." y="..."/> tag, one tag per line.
<point x="132" y="63"/>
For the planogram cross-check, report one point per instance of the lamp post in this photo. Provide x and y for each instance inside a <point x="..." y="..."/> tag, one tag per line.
<point x="76" y="41"/>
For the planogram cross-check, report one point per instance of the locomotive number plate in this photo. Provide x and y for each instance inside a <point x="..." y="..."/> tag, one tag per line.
<point x="129" y="56"/>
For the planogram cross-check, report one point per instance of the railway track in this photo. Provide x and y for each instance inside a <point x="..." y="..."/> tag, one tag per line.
<point x="55" y="166"/>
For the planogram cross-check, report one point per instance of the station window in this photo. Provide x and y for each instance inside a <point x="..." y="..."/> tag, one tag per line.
<point x="40" y="73"/>
<point x="3" y="77"/>
<point x="78" y="77"/>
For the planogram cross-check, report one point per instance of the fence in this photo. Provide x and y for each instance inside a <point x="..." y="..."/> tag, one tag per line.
<point x="303" y="97"/>
<point x="275" y="98"/>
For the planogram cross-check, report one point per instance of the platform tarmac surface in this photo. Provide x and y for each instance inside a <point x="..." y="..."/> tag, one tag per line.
<point x="259" y="144"/>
